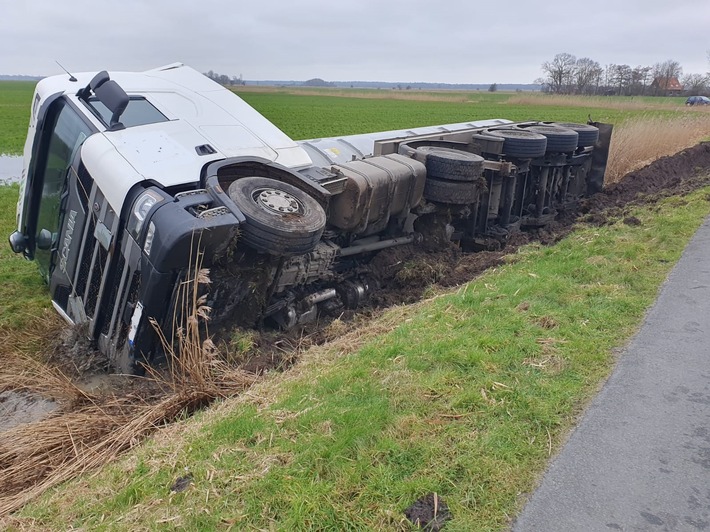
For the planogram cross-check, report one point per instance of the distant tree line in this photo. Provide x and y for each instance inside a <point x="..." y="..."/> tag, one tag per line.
<point x="223" y="79"/>
<point x="566" y="74"/>
<point x="318" y="82"/>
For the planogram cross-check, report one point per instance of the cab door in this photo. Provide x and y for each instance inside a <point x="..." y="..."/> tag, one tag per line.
<point x="54" y="228"/>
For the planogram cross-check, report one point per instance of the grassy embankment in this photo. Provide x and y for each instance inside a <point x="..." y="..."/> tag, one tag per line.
<point x="23" y="295"/>
<point x="416" y="402"/>
<point x="15" y="100"/>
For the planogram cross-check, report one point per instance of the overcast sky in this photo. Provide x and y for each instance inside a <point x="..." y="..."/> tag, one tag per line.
<point x="455" y="41"/>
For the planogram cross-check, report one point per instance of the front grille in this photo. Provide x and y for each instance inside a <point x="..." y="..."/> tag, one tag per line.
<point x="61" y="295"/>
<point x="96" y="276"/>
<point x="111" y="301"/>
<point x="85" y="259"/>
<point x="91" y="281"/>
<point x="124" y="321"/>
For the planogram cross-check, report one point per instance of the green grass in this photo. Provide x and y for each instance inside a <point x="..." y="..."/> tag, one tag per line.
<point x="311" y="116"/>
<point x="15" y="101"/>
<point x="23" y="293"/>
<point x="465" y="396"/>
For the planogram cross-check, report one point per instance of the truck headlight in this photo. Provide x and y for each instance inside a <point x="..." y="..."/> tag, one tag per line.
<point x="139" y="211"/>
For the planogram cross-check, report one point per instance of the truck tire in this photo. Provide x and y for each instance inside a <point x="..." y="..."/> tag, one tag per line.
<point x="280" y="218"/>
<point x="588" y="135"/>
<point x="520" y="143"/>
<point x="559" y="139"/>
<point x="452" y="192"/>
<point x="448" y="163"/>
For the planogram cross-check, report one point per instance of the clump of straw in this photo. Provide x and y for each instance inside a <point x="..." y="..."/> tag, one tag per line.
<point x="91" y="430"/>
<point x="637" y="143"/>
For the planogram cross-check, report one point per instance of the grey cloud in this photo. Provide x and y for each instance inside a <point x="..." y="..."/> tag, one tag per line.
<point x="415" y="40"/>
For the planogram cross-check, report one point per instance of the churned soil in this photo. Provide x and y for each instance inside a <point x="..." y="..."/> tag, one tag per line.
<point x="428" y="513"/>
<point x="410" y="270"/>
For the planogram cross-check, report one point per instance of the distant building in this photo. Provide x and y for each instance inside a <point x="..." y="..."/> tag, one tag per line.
<point x="667" y="86"/>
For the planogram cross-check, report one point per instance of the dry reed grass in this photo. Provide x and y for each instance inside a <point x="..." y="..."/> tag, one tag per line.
<point x="22" y="373"/>
<point x="637" y="143"/>
<point x="594" y="102"/>
<point x="367" y="94"/>
<point x="90" y="430"/>
<point x="39" y="338"/>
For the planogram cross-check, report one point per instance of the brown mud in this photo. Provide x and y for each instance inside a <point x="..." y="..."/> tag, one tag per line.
<point x="428" y="513"/>
<point x="411" y="271"/>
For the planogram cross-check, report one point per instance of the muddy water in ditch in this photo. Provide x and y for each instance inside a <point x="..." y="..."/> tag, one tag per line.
<point x="10" y="169"/>
<point x="17" y="408"/>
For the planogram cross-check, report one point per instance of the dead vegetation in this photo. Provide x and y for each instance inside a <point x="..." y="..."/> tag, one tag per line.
<point x="91" y="430"/>
<point x="636" y="143"/>
<point x="591" y="102"/>
<point x="367" y="94"/>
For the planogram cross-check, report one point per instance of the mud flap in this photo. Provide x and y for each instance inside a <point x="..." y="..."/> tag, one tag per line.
<point x="600" y="155"/>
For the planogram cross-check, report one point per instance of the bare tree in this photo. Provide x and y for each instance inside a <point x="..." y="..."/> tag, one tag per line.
<point x="620" y="78"/>
<point x="696" y="83"/>
<point x="567" y="74"/>
<point x="587" y="75"/>
<point x="559" y="73"/>
<point x="543" y="82"/>
<point x="640" y="79"/>
<point x="667" y="69"/>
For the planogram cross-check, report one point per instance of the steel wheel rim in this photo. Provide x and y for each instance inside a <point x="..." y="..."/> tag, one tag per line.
<point x="277" y="201"/>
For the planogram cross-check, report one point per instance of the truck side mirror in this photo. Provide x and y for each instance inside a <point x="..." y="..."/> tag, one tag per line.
<point x="18" y="242"/>
<point x="110" y="94"/>
<point x="44" y="239"/>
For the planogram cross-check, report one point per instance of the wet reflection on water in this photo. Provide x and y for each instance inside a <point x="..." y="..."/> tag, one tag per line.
<point x="17" y="408"/>
<point x="10" y="169"/>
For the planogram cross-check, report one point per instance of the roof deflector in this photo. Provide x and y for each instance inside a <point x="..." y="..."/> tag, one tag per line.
<point x="110" y="94"/>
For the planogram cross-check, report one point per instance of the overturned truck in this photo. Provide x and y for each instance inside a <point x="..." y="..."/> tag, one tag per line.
<point x="127" y="176"/>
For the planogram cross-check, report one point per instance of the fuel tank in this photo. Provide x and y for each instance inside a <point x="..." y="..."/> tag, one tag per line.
<point x="377" y="189"/>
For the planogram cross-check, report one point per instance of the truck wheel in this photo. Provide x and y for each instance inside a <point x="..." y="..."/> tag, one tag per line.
<point x="280" y="218"/>
<point x="588" y="135"/>
<point x="453" y="192"/>
<point x="520" y="143"/>
<point x="448" y="163"/>
<point x="559" y="139"/>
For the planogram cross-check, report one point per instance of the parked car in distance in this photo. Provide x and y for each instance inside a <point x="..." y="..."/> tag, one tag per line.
<point x="697" y="100"/>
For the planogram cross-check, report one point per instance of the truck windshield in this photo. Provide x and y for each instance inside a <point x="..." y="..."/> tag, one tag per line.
<point x="67" y="133"/>
<point x="138" y="112"/>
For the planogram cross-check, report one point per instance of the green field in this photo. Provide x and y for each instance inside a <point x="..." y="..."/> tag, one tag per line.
<point x="311" y="116"/>
<point x="15" y="100"/>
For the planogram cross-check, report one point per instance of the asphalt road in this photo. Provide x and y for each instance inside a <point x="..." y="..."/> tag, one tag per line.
<point x="640" y="457"/>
